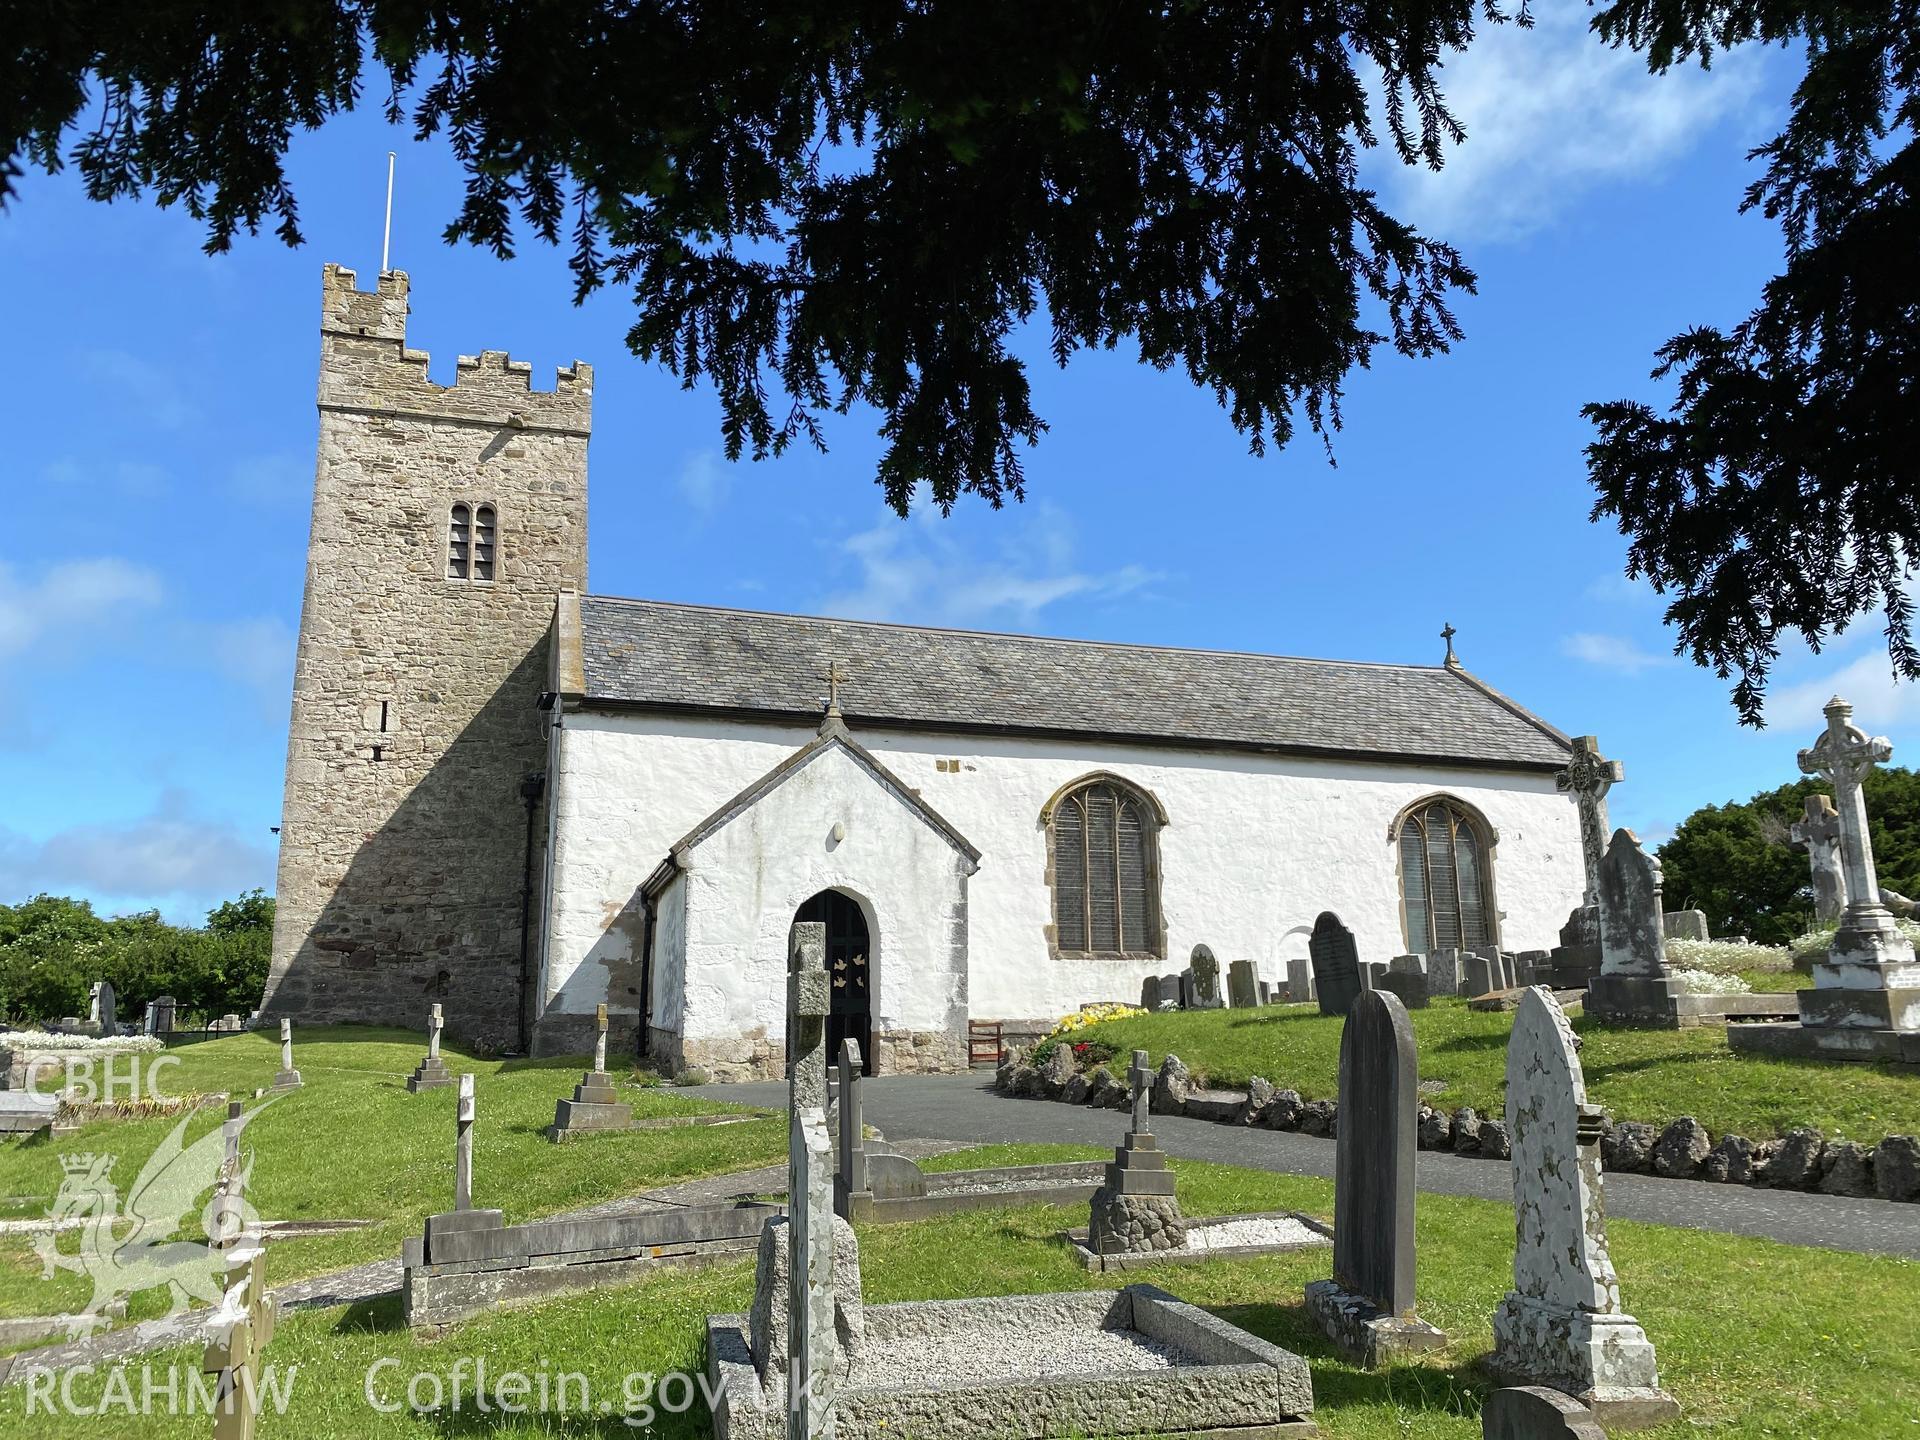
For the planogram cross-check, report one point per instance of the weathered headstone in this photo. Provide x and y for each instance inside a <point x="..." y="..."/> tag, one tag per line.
<point x="853" y="1126"/>
<point x="1865" y="1000"/>
<point x="288" y="1078"/>
<point x="1819" y="835"/>
<point x="1443" y="972"/>
<point x="1134" y="1210"/>
<point x="239" y="1330"/>
<point x="163" y="1008"/>
<point x="102" y="1015"/>
<point x="1685" y="925"/>
<point x="431" y="1073"/>
<point x="1205" y="971"/>
<point x="1406" y="978"/>
<point x="1263" y="993"/>
<point x="596" y="1102"/>
<point x="1587" y="778"/>
<point x="813" y="1373"/>
<point x="463" y="1146"/>
<point x="1479" y="976"/>
<point x="1150" y="993"/>
<point x="1367" y="1308"/>
<point x="1299" y="981"/>
<point x="1172" y="993"/>
<point x="1336" y="964"/>
<point x="1633" y="982"/>
<point x="1562" y="1325"/>
<point x="1533" y="1412"/>
<point x="1243" y="985"/>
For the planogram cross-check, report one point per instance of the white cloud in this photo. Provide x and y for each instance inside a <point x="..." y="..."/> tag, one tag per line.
<point x="1880" y="702"/>
<point x="152" y="391"/>
<point x="704" y="483"/>
<point x="76" y="594"/>
<point x="918" y="570"/>
<point x="1551" y="114"/>
<point x="1612" y="652"/>
<point x="1614" y="588"/>
<point x="169" y="855"/>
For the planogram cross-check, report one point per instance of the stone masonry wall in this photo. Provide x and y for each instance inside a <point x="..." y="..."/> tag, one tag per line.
<point x="415" y="719"/>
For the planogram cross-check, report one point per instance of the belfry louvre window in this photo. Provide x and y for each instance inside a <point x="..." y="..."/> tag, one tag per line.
<point x="459" y="542"/>
<point x="1105" y="875"/>
<point x="1446" y="884"/>
<point x="483" y="543"/>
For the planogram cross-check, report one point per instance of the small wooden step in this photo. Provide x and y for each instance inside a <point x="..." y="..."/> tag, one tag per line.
<point x="984" y="1044"/>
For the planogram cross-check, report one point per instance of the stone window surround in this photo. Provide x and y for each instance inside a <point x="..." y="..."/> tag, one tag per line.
<point x="1157" y="924"/>
<point x="1489" y="839"/>
<point x="475" y="504"/>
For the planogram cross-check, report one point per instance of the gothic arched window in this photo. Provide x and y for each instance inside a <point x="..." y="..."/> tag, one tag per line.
<point x="1446" y="878"/>
<point x="459" y="542"/>
<point x="1106" y="869"/>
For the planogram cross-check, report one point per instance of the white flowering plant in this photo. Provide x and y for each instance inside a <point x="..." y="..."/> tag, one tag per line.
<point x="1706" y="982"/>
<point x="1726" y="957"/>
<point x="39" y="1042"/>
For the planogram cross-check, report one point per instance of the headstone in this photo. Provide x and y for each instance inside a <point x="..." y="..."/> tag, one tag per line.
<point x="463" y="1147"/>
<point x="1367" y="1308"/>
<point x="102" y="1016"/>
<point x="163" y="1008"/>
<point x="1263" y="993"/>
<point x="1684" y="925"/>
<point x="147" y="1021"/>
<point x="1479" y="976"/>
<point x="1531" y="967"/>
<point x="1243" y="985"/>
<point x="813" y="1352"/>
<point x="1633" y="982"/>
<point x="239" y="1332"/>
<point x="1134" y="1210"/>
<point x="1150" y="993"/>
<point x="1405" y="978"/>
<point x="1865" y="1000"/>
<point x="229" y="1181"/>
<point x="1443" y="972"/>
<point x="431" y="1073"/>
<point x="853" y="1128"/>
<point x="1171" y="993"/>
<point x="1533" y="1412"/>
<point x="1819" y="835"/>
<point x="288" y="1078"/>
<point x="596" y="1102"/>
<point x="1587" y="778"/>
<point x="1206" y="979"/>
<point x="1562" y="1325"/>
<point x="1336" y="964"/>
<point x="1299" y="981"/>
<point x="1370" y="972"/>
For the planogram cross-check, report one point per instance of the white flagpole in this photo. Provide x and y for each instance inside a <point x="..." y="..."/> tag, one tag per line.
<point x="386" y="237"/>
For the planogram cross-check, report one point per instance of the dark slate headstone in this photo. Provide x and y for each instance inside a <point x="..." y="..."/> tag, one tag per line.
<point x="1206" y="979"/>
<point x="1336" y="964"/>
<point x="1150" y="993"/>
<point x="1243" y="985"/>
<point x="1170" y="992"/>
<point x="1532" y="1412"/>
<point x="1374" y="1154"/>
<point x="1477" y="976"/>
<point x="1409" y="986"/>
<point x="1443" y="972"/>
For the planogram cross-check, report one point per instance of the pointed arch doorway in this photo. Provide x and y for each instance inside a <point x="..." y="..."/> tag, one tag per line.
<point x="849" y="963"/>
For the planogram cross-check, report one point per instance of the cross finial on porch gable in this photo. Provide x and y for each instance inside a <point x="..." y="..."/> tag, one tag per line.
<point x="1447" y="633"/>
<point x="835" y="675"/>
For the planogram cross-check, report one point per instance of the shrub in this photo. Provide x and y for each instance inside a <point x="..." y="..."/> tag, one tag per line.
<point x="1726" y="957"/>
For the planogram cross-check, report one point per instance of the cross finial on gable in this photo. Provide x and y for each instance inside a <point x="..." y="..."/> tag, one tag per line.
<point x="835" y="675"/>
<point x="1447" y="634"/>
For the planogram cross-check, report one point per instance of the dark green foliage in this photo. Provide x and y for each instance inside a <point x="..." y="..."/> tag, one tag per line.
<point x="838" y="201"/>
<point x="1782" y="490"/>
<point x="52" y="949"/>
<point x="1736" y="862"/>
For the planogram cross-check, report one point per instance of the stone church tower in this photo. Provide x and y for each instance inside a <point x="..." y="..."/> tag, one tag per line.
<point x="445" y="521"/>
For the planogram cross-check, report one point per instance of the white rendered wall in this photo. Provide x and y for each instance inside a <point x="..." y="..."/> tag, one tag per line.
<point x="1255" y="846"/>
<point x="745" y="881"/>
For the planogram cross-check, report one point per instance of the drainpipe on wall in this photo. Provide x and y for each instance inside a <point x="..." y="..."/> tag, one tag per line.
<point x="640" y="1044"/>
<point x="531" y="789"/>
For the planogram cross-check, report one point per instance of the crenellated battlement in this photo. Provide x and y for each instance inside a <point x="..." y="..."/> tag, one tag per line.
<point x="366" y="365"/>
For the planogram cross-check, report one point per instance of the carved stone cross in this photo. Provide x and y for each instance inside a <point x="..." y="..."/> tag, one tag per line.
<point x="808" y="1000"/>
<point x="1142" y="1080"/>
<point x="463" y="1146"/>
<point x="1819" y="836"/>
<point x="434" y="1024"/>
<point x="1843" y="755"/>
<point x="1587" y="778"/>
<point x="835" y="675"/>
<point x="599" y="1039"/>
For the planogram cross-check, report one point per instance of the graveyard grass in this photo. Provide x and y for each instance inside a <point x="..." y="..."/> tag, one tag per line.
<point x="1650" y="1075"/>
<point x="353" y="1144"/>
<point x="1756" y="1339"/>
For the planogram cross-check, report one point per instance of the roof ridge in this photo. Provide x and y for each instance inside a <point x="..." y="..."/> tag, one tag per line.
<point x="1514" y="706"/>
<point x="897" y="625"/>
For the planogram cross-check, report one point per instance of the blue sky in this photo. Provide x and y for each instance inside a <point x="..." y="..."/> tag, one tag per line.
<point x="158" y="467"/>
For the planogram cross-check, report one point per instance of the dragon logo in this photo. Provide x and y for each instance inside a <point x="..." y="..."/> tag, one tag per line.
<point x="124" y="1249"/>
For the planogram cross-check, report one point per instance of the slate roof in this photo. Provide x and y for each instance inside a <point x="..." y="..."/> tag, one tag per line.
<point x="657" y="656"/>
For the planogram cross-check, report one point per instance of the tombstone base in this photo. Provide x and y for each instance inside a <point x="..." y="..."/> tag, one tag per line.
<point x="287" y="1080"/>
<point x="1605" y="1362"/>
<point x="430" y="1074"/>
<point x="460" y="1235"/>
<point x="1633" y="1000"/>
<point x="1363" y="1332"/>
<point x="574" y="1117"/>
<point x="1819" y="1042"/>
<point x="1133" y="1224"/>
